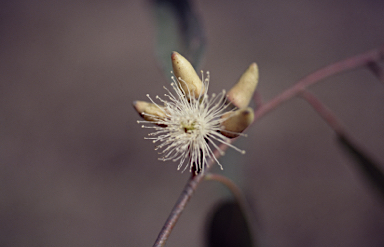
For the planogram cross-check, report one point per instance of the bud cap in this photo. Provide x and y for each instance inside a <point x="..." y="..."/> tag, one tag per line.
<point x="236" y="122"/>
<point x="241" y="94"/>
<point x="149" y="111"/>
<point x="190" y="82"/>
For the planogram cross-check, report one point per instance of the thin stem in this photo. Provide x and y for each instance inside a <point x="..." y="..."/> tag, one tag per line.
<point x="348" y="64"/>
<point x="189" y="189"/>
<point x="368" y="166"/>
<point x="377" y="70"/>
<point x="324" y="112"/>
<point x="235" y="190"/>
<point x="185" y="196"/>
<point x="237" y="193"/>
<point x="257" y="99"/>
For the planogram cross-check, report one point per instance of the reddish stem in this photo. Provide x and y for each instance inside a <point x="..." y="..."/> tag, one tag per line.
<point x="324" y="112"/>
<point x="348" y="64"/>
<point x="360" y="60"/>
<point x="189" y="189"/>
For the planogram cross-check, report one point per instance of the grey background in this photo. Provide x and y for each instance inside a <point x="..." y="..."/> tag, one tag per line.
<point x="76" y="171"/>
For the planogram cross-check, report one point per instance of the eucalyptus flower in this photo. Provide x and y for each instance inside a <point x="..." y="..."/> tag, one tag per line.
<point x="189" y="125"/>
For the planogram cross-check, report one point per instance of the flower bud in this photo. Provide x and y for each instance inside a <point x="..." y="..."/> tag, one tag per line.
<point x="149" y="111"/>
<point x="184" y="72"/>
<point x="241" y="94"/>
<point x="236" y="122"/>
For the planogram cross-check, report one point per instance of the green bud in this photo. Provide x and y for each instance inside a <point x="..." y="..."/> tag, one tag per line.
<point x="236" y="122"/>
<point x="241" y="94"/>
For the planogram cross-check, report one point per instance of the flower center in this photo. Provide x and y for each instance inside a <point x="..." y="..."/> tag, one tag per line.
<point x="188" y="126"/>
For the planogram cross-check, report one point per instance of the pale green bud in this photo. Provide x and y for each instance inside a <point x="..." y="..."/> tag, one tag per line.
<point x="190" y="82"/>
<point x="241" y="94"/>
<point x="236" y="122"/>
<point x="149" y="111"/>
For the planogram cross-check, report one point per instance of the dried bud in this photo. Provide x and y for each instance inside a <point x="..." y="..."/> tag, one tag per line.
<point x="240" y="95"/>
<point x="189" y="80"/>
<point x="236" y="122"/>
<point x="149" y="111"/>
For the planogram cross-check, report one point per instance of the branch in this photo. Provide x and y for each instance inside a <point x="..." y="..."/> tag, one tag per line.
<point x="357" y="61"/>
<point x="185" y="196"/>
<point x="235" y="190"/>
<point x="189" y="189"/>
<point x="324" y="112"/>
<point x="368" y="166"/>
<point x="377" y="70"/>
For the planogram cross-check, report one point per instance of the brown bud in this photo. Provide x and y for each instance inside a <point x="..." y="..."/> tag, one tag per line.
<point x="149" y="111"/>
<point x="236" y="122"/>
<point x="187" y="76"/>
<point x="241" y="94"/>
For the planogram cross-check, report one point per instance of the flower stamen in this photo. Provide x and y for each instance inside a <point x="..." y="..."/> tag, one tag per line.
<point x="190" y="125"/>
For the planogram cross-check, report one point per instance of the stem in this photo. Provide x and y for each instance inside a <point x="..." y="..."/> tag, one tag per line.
<point x="324" y="112"/>
<point x="235" y="190"/>
<point x="257" y="99"/>
<point x="185" y="196"/>
<point x="368" y="166"/>
<point x="238" y="194"/>
<point x="348" y="64"/>
<point x="189" y="189"/>
<point x="377" y="70"/>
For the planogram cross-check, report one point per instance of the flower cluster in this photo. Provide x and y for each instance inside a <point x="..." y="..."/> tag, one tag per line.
<point x="188" y="123"/>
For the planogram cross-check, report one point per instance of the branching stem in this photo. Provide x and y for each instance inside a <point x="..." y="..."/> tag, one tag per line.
<point x="351" y="63"/>
<point x="361" y="60"/>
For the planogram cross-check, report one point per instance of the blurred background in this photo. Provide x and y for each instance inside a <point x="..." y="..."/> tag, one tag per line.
<point x="76" y="171"/>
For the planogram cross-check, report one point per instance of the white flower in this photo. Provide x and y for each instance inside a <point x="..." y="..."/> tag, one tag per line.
<point x="188" y="125"/>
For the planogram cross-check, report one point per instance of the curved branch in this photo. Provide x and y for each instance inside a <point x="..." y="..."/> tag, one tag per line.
<point x="357" y="61"/>
<point x="364" y="59"/>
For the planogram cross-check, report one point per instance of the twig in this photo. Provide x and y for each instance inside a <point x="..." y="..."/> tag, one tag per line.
<point x="238" y="194"/>
<point x="367" y="165"/>
<point x="324" y="112"/>
<point x="235" y="190"/>
<point x="257" y="99"/>
<point x="189" y="189"/>
<point x="333" y="69"/>
<point x="330" y="70"/>
<point x="377" y="70"/>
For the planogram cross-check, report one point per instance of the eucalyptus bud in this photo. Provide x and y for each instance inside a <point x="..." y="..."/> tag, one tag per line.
<point x="241" y="94"/>
<point x="149" y="111"/>
<point x="188" y="79"/>
<point x="236" y="122"/>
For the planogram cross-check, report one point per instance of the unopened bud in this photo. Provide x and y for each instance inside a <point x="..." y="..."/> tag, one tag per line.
<point x="241" y="94"/>
<point x="149" y="111"/>
<point x="236" y="122"/>
<point x="190" y="82"/>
